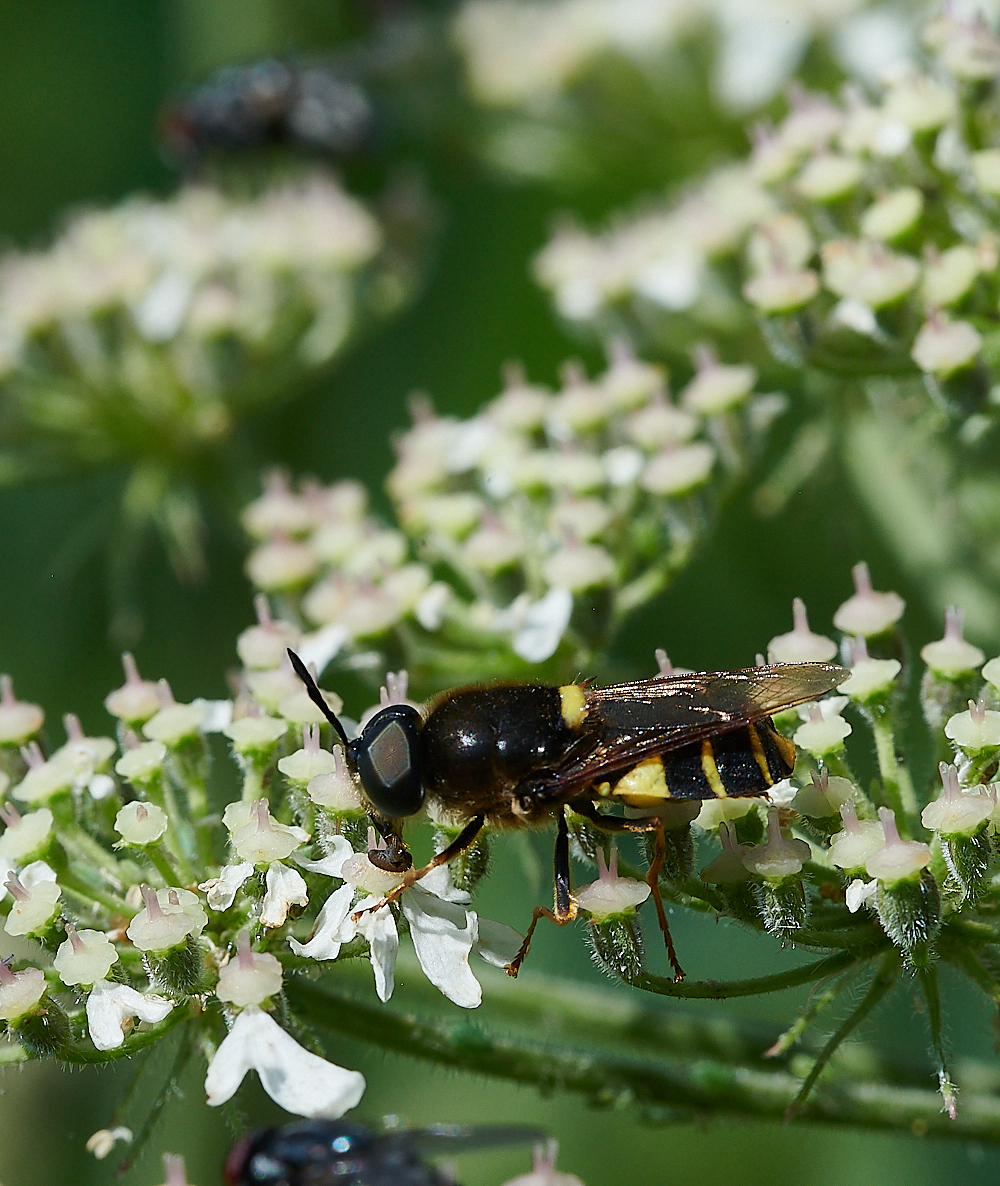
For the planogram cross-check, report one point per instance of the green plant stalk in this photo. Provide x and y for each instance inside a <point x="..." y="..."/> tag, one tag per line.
<point x="885" y="977"/>
<point x="904" y="806"/>
<point x="609" y="1079"/>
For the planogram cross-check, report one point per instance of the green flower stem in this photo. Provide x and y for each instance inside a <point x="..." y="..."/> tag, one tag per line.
<point x="179" y="845"/>
<point x="838" y="766"/>
<point x="253" y="783"/>
<point x="928" y="978"/>
<point x="889" y="769"/>
<point x="160" y="860"/>
<point x="808" y="1015"/>
<point x="91" y="894"/>
<point x="885" y="977"/>
<point x="718" y="990"/>
<point x="606" y="1079"/>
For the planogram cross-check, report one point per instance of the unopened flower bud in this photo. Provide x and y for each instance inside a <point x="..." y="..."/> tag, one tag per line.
<point x="141" y="823"/>
<point x="868" y="613"/>
<point x="860" y="839"/>
<point x="728" y="867"/>
<point x="870" y="679"/>
<point x="18" y="719"/>
<point x="262" y="839"/>
<point x="610" y="895"/>
<point x="20" y="992"/>
<point x="169" y="916"/>
<point x="986" y="170"/>
<point x="892" y="214"/>
<point x="143" y="764"/>
<point x="281" y="565"/>
<point x="256" y="737"/>
<point x="298" y="709"/>
<point x="716" y="388"/>
<point x="944" y="346"/>
<point x="828" y="176"/>
<point x="781" y="289"/>
<point x="544" y="1172"/>
<point x="825" y="729"/>
<point x="174" y="723"/>
<point x="578" y="566"/>
<point x="800" y="645"/>
<point x="952" y="657"/>
<point x="976" y="729"/>
<point x="779" y="857"/>
<point x="263" y="646"/>
<point x="278" y="509"/>
<point x="948" y="276"/>
<point x="34" y="906"/>
<point x="25" y="835"/>
<point x="897" y="860"/>
<point x="715" y="812"/>
<point x="85" y="957"/>
<point x="957" y="812"/>
<point x="250" y="978"/>
<point x="920" y="103"/>
<point x="676" y="471"/>
<point x="137" y="699"/>
<point x="824" y="796"/>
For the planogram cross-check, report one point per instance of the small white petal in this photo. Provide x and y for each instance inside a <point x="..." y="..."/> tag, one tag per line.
<point x="543" y="625"/>
<point x="285" y="888"/>
<point x="322" y="646"/>
<point x="221" y="891"/>
<point x="497" y="942"/>
<point x="300" y="1082"/>
<point x="333" y="927"/>
<point x="858" y="892"/>
<point x="218" y="715"/>
<point x="443" y="935"/>
<point x="379" y="928"/>
<point x="108" y="1005"/>
<point x="330" y="865"/>
<point x="100" y="786"/>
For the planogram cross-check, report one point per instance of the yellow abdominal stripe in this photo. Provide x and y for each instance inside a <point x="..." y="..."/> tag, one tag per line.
<point x="645" y="785"/>
<point x="711" y="771"/>
<point x="573" y="704"/>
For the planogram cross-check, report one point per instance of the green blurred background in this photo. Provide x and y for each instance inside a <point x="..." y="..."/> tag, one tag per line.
<point x="81" y="82"/>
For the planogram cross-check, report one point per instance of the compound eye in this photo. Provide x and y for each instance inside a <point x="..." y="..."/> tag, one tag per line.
<point x="387" y="759"/>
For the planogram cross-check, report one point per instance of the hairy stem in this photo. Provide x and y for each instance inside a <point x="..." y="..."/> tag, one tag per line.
<point x="683" y="1087"/>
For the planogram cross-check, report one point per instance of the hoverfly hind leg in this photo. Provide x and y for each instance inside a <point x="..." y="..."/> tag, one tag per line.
<point x="565" y="908"/>
<point x="653" y="881"/>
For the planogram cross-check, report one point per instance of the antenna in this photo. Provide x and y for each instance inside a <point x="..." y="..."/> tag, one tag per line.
<point x="316" y="696"/>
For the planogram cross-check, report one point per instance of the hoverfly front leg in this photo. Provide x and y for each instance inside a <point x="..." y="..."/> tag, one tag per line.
<point x="612" y="823"/>
<point x="461" y="842"/>
<point x="565" y="907"/>
<point x="391" y="854"/>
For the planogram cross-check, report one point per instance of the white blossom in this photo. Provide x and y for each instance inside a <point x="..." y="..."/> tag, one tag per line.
<point x="285" y="888"/>
<point x="110" y="1005"/>
<point x="298" y="1081"/>
<point x="220" y="892"/>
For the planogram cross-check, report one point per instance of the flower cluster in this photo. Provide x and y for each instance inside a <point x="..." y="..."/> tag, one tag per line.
<point x="151" y="910"/>
<point x="873" y="220"/>
<point x="148" y="330"/>
<point x="527" y="56"/>
<point x="525" y="533"/>
<point x="852" y="258"/>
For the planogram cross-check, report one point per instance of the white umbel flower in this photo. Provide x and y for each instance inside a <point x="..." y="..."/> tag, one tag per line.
<point x="298" y="1081"/>
<point x="85" y="957"/>
<point x="110" y="1005"/>
<point x="285" y="888"/>
<point x="220" y="892"/>
<point x="801" y="645"/>
<point x="249" y="978"/>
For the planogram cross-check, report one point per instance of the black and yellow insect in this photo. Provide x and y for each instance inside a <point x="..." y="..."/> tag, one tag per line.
<point x="515" y="755"/>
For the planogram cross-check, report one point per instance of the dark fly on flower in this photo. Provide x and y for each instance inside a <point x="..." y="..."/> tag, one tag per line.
<point x="322" y="1152"/>
<point x="516" y="755"/>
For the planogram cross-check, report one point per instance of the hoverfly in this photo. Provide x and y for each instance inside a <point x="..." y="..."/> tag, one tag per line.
<point x="322" y="1152"/>
<point x="515" y="755"/>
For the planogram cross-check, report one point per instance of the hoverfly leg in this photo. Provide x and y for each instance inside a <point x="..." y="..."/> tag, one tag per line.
<point x="612" y="823"/>
<point x="461" y="842"/>
<point x="565" y="907"/>
<point x="653" y="881"/>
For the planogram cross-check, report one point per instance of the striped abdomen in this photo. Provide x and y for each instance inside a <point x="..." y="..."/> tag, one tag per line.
<point x="740" y="762"/>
